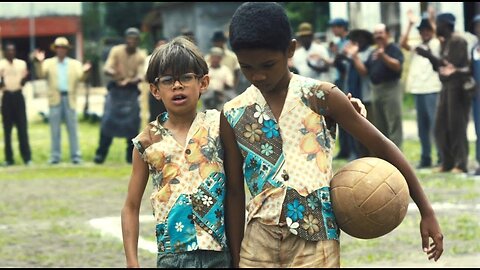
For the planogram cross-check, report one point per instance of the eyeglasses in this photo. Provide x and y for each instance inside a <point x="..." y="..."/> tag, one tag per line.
<point x="184" y="79"/>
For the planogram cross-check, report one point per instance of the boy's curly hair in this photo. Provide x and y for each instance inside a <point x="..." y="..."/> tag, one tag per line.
<point x="260" y="25"/>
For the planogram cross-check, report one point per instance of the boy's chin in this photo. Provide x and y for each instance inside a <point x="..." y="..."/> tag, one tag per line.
<point x="263" y="87"/>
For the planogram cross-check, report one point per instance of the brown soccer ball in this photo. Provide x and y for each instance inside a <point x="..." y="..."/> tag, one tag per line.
<point x="369" y="197"/>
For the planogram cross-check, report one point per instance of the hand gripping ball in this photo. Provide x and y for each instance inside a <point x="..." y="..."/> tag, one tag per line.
<point x="369" y="197"/>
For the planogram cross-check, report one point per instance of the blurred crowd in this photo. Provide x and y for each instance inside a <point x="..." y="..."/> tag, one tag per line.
<point x="443" y="77"/>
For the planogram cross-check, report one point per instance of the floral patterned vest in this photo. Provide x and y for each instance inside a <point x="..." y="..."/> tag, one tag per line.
<point x="288" y="163"/>
<point x="188" y="184"/>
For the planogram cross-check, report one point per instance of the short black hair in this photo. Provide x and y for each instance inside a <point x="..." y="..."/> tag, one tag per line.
<point x="180" y="56"/>
<point x="260" y="25"/>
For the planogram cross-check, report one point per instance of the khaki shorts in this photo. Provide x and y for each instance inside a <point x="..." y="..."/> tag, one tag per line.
<point x="274" y="246"/>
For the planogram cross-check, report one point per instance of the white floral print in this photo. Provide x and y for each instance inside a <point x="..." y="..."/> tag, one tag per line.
<point x="261" y="114"/>
<point x="207" y="200"/>
<point x="292" y="226"/>
<point x="179" y="226"/>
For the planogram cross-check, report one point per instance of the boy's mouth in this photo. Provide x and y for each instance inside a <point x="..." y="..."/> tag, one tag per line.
<point x="179" y="99"/>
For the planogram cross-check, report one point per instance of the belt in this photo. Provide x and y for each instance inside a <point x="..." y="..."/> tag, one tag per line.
<point x="63" y="93"/>
<point x="12" y="92"/>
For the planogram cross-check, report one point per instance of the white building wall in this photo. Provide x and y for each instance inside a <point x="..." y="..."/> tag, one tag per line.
<point x="456" y="8"/>
<point x="338" y="10"/>
<point x="26" y="9"/>
<point x="370" y="13"/>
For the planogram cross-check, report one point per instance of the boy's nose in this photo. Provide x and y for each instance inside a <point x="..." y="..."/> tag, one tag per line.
<point x="258" y="77"/>
<point x="177" y="84"/>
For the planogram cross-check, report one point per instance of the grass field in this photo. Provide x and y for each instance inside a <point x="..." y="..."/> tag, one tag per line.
<point x="44" y="212"/>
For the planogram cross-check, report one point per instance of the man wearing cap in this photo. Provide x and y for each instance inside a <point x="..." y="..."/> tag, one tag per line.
<point x="454" y="102"/>
<point x="475" y="67"/>
<point x="63" y="75"/>
<point x="229" y="59"/>
<point x="310" y="58"/>
<point x="13" y="75"/>
<point x="121" y="117"/>
<point x="339" y="28"/>
<point x="423" y="83"/>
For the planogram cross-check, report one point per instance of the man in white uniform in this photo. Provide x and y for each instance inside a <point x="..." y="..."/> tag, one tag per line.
<point x="311" y="59"/>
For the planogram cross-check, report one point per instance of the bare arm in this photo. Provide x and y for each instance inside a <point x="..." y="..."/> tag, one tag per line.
<point x="84" y="70"/>
<point x="140" y="72"/>
<point x="235" y="192"/>
<point x="351" y="50"/>
<point x="404" y="38"/>
<point x="131" y="209"/>
<point x="38" y="66"/>
<point x="343" y="113"/>
<point x="108" y="68"/>
<point x="25" y="73"/>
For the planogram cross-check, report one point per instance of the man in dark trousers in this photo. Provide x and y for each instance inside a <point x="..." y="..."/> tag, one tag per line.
<point x="475" y="66"/>
<point x="454" y="102"/>
<point x="121" y="117"/>
<point x="384" y="67"/>
<point x="13" y="74"/>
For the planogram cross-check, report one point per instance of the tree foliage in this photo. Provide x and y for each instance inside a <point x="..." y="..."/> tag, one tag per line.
<point x="316" y="13"/>
<point x="122" y="15"/>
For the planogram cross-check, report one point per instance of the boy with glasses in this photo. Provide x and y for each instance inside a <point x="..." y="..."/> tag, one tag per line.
<point x="182" y="153"/>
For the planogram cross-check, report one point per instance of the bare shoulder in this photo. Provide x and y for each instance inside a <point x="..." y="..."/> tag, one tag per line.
<point x="326" y="86"/>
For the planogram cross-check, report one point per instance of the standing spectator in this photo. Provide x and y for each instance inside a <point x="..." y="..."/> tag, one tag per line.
<point x="475" y="56"/>
<point x="384" y="67"/>
<point x="454" y="102"/>
<point x="361" y="42"/>
<point x="311" y="58"/>
<point x="155" y="107"/>
<point x="13" y="75"/>
<point x="221" y="78"/>
<point x="229" y="59"/>
<point x="189" y="34"/>
<point x="291" y="67"/>
<point x="424" y="84"/>
<point x="121" y="118"/>
<point x="63" y="75"/>
<point x="339" y="28"/>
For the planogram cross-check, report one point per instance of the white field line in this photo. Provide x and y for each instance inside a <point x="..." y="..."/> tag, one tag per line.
<point x="112" y="225"/>
<point x="447" y="206"/>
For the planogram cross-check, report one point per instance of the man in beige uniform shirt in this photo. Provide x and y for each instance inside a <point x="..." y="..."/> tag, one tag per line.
<point x="13" y="74"/>
<point x="121" y="117"/>
<point x="63" y="75"/>
<point x="229" y="59"/>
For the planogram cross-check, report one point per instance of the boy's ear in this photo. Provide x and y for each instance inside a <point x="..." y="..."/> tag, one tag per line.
<point x="205" y="81"/>
<point x="291" y="48"/>
<point x="155" y="91"/>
